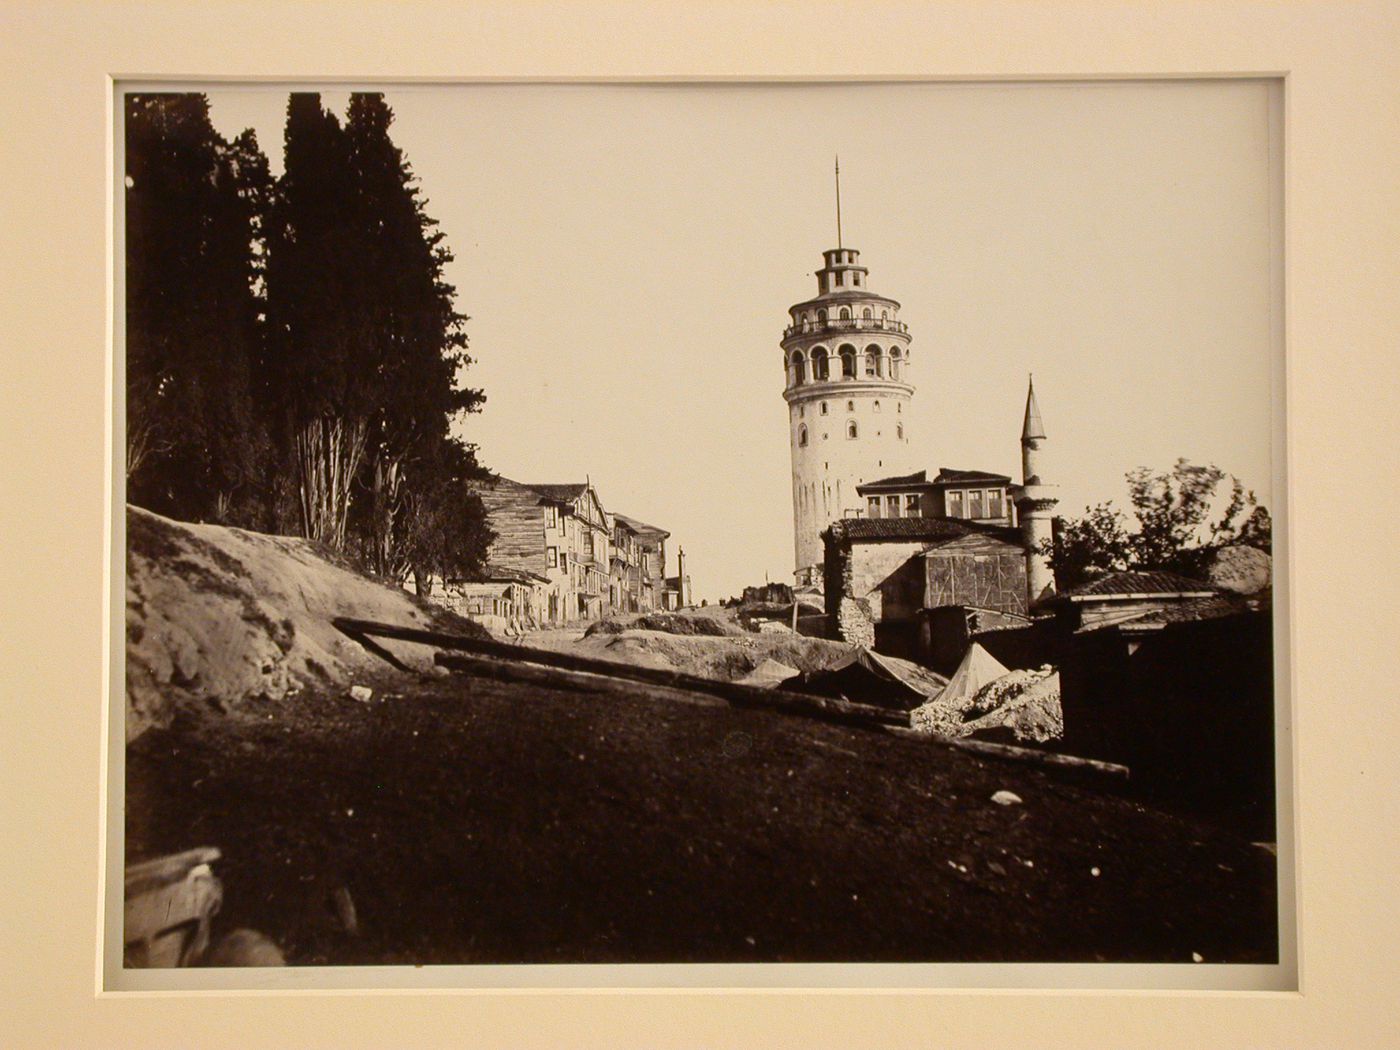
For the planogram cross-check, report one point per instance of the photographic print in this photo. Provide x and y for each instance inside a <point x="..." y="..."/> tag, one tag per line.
<point x="699" y="523"/>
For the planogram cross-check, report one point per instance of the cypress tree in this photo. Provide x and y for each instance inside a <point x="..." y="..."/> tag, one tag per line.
<point x="195" y="444"/>
<point x="416" y="477"/>
<point x="316" y="363"/>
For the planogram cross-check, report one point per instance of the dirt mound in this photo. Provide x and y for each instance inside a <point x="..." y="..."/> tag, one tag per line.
<point x="1026" y="702"/>
<point x="725" y="658"/>
<point x="217" y="618"/>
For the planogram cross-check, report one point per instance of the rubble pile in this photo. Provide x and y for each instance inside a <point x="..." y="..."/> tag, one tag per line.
<point x="1026" y="702"/>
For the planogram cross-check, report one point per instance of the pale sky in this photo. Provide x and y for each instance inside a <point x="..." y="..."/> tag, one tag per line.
<point x="627" y="255"/>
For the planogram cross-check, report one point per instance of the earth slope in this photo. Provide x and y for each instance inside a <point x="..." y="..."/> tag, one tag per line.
<point x="223" y="618"/>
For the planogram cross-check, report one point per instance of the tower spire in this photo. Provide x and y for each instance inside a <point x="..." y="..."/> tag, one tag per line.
<point x="1032" y="427"/>
<point x="838" y="200"/>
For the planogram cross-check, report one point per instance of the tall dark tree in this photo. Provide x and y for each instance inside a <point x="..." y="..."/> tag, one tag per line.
<point x="196" y="448"/>
<point x="366" y="346"/>
<point x="1181" y="519"/>
<point x="414" y="468"/>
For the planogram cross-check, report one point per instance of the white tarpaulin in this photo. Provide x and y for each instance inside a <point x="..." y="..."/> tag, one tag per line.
<point x="978" y="667"/>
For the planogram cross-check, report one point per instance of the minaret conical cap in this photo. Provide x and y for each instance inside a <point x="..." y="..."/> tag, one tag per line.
<point x="1032" y="427"/>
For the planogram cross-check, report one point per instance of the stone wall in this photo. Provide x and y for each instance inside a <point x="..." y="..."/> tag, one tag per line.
<point x="855" y="574"/>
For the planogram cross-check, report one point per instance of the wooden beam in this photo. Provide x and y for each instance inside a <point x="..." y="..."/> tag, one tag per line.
<point x="1028" y="755"/>
<point x="826" y="708"/>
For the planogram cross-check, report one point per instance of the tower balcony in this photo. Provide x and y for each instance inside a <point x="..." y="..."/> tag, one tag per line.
<point x="851" y="324"/>
<point x="838" y="387"/>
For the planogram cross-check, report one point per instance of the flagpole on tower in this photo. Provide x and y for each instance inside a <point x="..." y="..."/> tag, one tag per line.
<point x="838" y="201"/>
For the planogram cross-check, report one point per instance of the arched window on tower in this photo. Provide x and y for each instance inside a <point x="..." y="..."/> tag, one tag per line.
<point x="848" y="362"/>
<point x="823" y="408"/>
<point x="802" y="435"/>
<point x="819" y="365"/>
<point x="875" y="407"/>
<point x="845" y="314"/>
<point x="872" y="363"/>
<point x="896" y="359"/>
<point x="851" y="430"/>
<point x="799" y="368"/>
<point x="821" y="315"/>
<point x="866" y="313"/>
<point x="899" y="431"/>
<point x="850" y="406"/>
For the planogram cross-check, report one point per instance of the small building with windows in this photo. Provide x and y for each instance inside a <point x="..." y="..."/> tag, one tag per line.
<point x="965" y="495"/>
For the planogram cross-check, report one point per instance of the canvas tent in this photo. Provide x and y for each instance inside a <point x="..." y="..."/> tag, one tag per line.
<point x="769" y="674"/>
<point x="869" y="677"/>
<point x="978" y="667"/>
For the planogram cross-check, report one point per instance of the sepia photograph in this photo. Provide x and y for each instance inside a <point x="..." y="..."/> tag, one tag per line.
<point x="603" y="524"/>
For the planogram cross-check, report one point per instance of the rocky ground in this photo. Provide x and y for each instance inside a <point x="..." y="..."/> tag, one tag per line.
<point x="470" y="820"/>
<point x="464" y="819"/>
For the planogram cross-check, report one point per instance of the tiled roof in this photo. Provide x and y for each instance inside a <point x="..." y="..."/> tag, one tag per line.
<point x="1211" y="608"/>
<point x="495" y="573"/>
<point x="641" y="528"/>
<point x="948" y="476"/>
<point x="561" y="493"/>
<point x="928" y="529"/>
<point x="901" y="480"/>
<point x="1121" y="583"/>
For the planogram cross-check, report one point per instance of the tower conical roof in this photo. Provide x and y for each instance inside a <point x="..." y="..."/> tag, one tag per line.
<point x="1032" y="427"/>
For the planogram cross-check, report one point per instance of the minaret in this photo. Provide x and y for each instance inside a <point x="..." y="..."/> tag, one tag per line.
<point x="1035" y="504"/>
<point x="846" y="362"/>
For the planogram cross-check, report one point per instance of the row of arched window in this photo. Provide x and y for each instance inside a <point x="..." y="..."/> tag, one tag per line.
<point x="844" y="313"/>
<point x="873" y="364"/>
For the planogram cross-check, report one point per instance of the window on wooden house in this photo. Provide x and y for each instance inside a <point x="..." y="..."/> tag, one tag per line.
<point x="911" y="506"/>
<point x="994" y="504"/>
<point x="955" y="504"/>
<point x="974" y="504"/>
<point x="872" y="505"/>
<point x="891" y="506"/>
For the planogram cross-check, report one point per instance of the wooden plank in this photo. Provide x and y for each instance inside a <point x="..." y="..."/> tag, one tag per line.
<point x="1028" y="755"/>
<point x="822" y="707"/>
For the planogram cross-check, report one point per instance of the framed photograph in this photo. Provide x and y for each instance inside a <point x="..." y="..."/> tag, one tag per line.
<point x="732" y="530"/>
